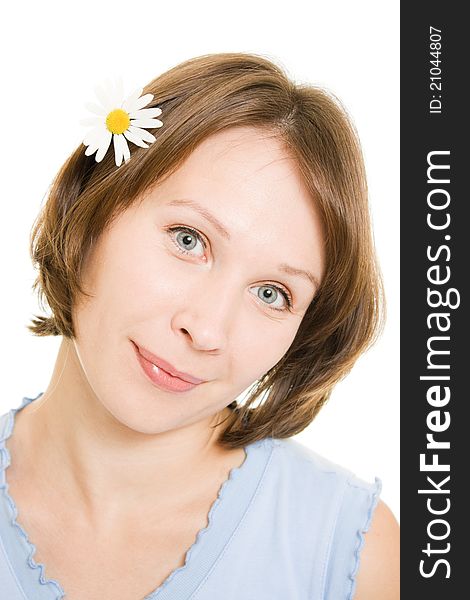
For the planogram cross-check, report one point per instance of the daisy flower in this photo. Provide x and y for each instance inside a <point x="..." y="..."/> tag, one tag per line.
<point x="119" y="119"/>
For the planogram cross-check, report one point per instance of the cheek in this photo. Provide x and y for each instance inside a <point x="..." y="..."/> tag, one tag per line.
<point x="258" y="352"/>
<point x="143" y="276"/>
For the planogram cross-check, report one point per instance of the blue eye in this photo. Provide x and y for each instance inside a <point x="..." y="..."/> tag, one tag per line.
<point x="186" y="242"/>
<point x="186" y="239"/>
<point x="267" y="289"/>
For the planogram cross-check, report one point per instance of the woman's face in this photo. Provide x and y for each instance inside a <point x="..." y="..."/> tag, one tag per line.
<point x="208" y="300"/>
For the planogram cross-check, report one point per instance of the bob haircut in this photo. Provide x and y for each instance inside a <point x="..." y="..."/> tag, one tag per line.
<point x="198" y="98"/>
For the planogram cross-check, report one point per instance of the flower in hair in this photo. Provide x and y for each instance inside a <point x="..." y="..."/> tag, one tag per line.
<point x="119" y="118"/>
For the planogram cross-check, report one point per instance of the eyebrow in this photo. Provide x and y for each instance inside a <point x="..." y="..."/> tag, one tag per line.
<point x="224" y="233"/>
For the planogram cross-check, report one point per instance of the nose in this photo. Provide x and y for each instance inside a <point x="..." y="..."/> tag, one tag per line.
<point x="209" y="313"/>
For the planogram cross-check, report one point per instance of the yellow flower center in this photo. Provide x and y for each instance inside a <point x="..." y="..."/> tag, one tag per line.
<point x="117" y="121"/>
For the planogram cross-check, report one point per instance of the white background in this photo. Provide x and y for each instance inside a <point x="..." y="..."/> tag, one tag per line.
<point x="54" y="53"/>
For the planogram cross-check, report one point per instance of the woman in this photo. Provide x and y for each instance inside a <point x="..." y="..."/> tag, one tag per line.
<point x="233" y="253"/>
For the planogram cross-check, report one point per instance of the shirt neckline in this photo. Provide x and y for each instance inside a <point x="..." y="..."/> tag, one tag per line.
<point x="232" y="502"/>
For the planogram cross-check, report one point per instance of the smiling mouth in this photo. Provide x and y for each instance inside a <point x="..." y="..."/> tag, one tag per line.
<point x="161" y="378"/>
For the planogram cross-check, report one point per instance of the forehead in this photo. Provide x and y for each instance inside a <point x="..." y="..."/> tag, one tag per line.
<point x="248" y="174"/>
<point x="242" y="156"/>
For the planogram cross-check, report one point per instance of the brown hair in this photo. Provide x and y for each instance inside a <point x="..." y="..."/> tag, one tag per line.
<point x="199" y="97"/>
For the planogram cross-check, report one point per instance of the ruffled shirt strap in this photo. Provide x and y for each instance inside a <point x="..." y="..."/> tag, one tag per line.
<point x="354" y="517"/>
<point x="21" y="578"/>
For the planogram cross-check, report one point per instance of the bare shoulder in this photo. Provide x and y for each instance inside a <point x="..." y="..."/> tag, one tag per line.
<point x="379" y="568"/>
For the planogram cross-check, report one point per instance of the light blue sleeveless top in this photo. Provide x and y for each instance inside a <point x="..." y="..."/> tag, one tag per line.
<point x="287" y="524"/>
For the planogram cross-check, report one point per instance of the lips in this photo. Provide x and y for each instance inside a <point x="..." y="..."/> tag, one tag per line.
<point x="166" y="366"/>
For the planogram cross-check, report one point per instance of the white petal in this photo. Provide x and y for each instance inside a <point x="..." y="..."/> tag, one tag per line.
<point x="105" y="96"/>
<point x="142" y="101"/>
<point x="92" y="140"/>
<point x="124" y="147"/>
<point x="121" y="149"/>
<point x="104" y="145"/>
<point x="91" y="121"/>
<point x="135" y="139"/>
<point x="117" y="150"/>
<point x="130" y="101"/>
<point x="118" y="92"/>
<point x="91" y="149"/>
<point x="96" y="109"/>
<point x="144" y="135"/>
<point x="95" y="143"/>
<point x="94" y="135"/>
<point x="148" y="123"/>
<point x="145" y="113"/>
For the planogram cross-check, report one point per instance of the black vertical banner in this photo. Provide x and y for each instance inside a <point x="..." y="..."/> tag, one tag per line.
<point x="435" y="269"/>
